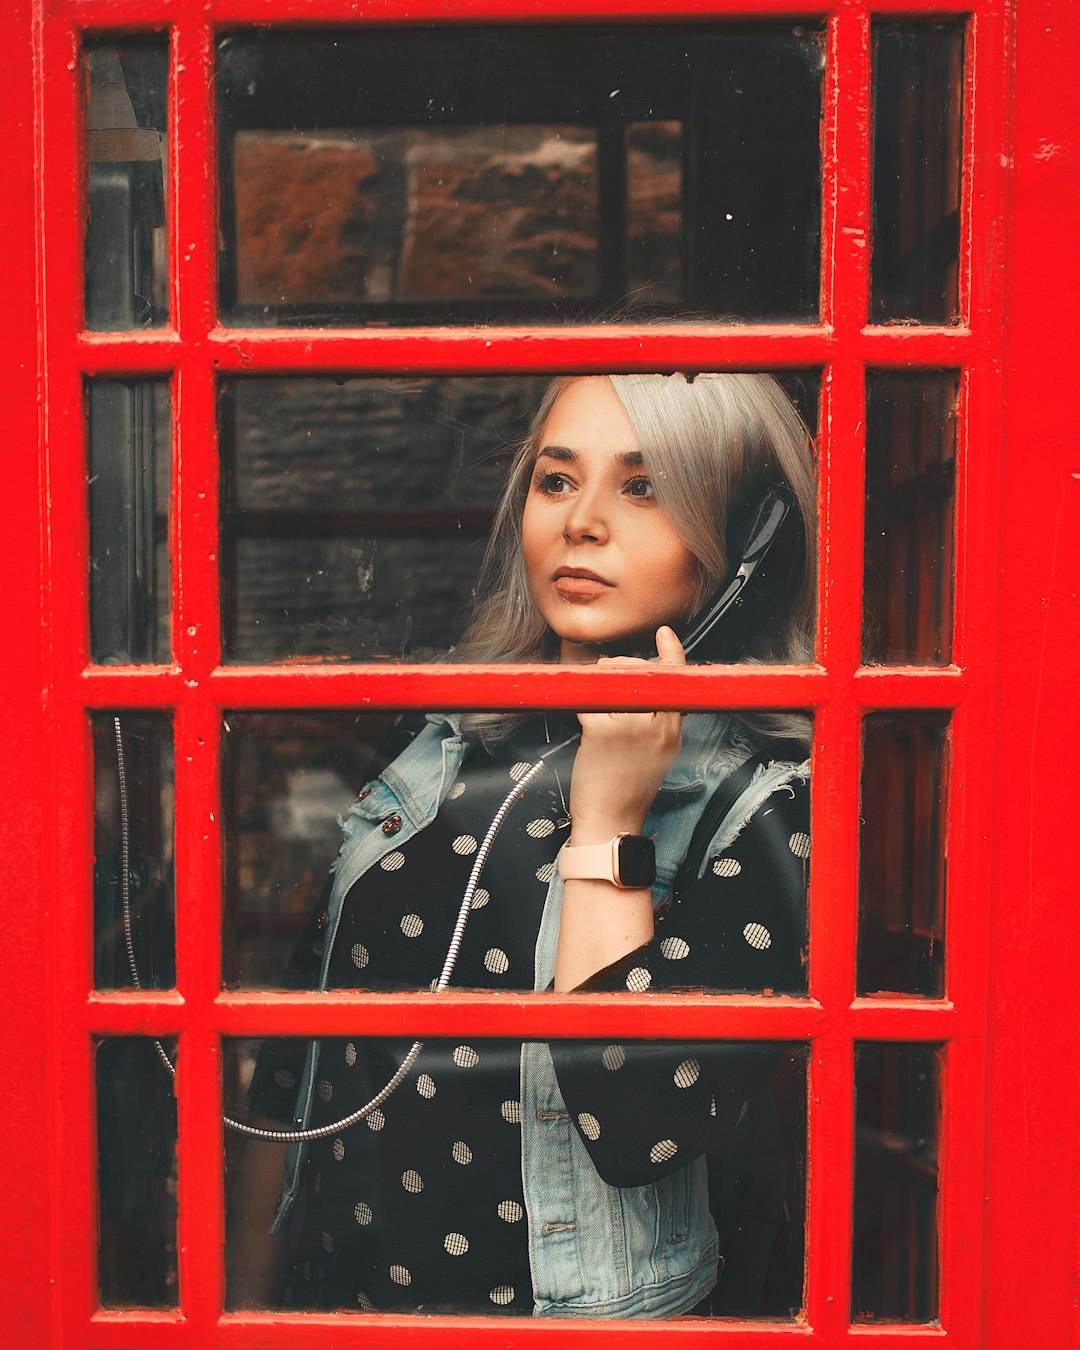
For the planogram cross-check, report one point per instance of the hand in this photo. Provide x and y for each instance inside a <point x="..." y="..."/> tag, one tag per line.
<point x="623" y="759"/>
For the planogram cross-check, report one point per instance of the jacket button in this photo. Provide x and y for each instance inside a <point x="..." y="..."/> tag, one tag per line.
<point x="391" y="825"/>
<point x="361" y="795"/>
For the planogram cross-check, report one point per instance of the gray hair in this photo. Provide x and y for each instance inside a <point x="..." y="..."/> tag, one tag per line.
<point x="707" y="445"/>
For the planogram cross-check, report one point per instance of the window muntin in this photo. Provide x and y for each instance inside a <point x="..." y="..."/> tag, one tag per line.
<point x="840" y="367"/>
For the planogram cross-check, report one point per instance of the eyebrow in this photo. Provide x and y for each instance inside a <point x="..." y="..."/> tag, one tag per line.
<point x="631" y="459"/>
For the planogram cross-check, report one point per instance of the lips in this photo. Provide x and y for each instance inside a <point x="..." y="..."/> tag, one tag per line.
<point x="580" y="583"/>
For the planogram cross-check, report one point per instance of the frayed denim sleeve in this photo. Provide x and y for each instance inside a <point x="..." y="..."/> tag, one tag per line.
<point x="643" y="1110"/>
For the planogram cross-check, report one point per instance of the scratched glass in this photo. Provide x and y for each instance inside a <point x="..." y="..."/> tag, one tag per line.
<point x="136" y="1173"/>
<point x="902" y="872"/>
<point x="894" y="1275"/>
<point x="422" y="1207"/>
<point x="540" y="175"/>
<point x="128" y="429"/>
<point x="918" y="83"/>
<point x="290" y="780"/>
<point x="134" y="881"/>
<point x="355" y="512"/>
<point x="911" y="432"/>
<point x="125" y="84"/>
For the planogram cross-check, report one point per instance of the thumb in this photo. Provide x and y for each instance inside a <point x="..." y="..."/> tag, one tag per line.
<point x="668" y="647"/>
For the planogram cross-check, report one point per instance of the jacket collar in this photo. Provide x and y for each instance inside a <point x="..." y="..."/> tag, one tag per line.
<point x="706" y="736"/>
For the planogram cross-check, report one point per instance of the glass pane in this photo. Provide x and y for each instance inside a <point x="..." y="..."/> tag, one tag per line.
<point x="426" y="1204"/>
<point x="918" y="86"/>
<point x="902" y="854"/>
<point x="136" y="1142"/>
<point x="129" y="470"/>
<point x="126" y="259"/>
<point x="519" y="175"/>
<point x="354" y="514"/>
<point x="897" y="1124"/>
<point x="910" y="513"/>
<point x="655" y="195"/>
<point x="134" y="898"/>
<point x="738" y="920"/>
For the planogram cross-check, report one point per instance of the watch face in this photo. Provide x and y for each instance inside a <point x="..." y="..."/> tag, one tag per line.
<point x="637" y="861"/>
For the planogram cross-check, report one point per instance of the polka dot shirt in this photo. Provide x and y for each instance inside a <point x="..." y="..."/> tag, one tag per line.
<point x="421" y="1207"/>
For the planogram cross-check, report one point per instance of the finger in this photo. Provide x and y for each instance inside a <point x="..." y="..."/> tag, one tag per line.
<point x="668" y="647"/>
<point x="621" y="661"/>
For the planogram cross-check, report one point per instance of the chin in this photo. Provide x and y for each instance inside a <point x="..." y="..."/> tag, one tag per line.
<point x="606" y="644"/>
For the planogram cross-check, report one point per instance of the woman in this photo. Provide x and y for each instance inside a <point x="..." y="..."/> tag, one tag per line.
<point x="569" y="1179"/>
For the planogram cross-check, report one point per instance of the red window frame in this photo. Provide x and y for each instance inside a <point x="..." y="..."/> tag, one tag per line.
<point x="1007" y="1213"/>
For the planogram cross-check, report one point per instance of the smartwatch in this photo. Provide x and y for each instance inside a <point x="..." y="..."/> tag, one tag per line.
<point x="627" y="861"/>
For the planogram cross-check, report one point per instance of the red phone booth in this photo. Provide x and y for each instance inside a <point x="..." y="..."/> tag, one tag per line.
<point x="284" y="280"/>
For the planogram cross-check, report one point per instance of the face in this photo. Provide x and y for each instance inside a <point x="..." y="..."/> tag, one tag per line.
<point x="604" y="564"/>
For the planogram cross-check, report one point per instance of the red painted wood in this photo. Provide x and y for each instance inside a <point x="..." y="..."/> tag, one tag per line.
<point x="1009" y="1167"/>
<point x="25" y="819"/>
<point x="1034" y="1175"/>
<point x="689" y="347"/>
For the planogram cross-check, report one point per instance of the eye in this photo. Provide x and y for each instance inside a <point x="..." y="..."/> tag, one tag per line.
<point x="551" y="484"/>
<point x="639" y="487"/>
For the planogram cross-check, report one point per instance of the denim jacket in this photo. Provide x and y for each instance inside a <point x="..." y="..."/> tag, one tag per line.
<point x="594" y="1249"/>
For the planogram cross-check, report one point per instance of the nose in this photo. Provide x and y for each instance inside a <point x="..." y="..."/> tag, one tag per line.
<point x="586" y="519"/>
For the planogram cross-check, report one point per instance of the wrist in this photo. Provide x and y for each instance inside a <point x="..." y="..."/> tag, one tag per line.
<point x="626" y="860"/>
<point x="599" y="829"/>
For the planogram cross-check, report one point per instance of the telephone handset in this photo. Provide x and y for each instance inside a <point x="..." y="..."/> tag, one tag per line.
<point x="770" y="557"/>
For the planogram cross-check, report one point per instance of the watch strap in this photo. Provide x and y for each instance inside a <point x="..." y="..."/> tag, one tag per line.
<point x="589" y="862"/>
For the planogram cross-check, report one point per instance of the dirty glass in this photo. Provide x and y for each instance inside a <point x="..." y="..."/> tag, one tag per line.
<point x="291" y="779"/>
<point x="902" y="829"/>
<point x="420" y="1207"/>
<point x="128" y="498"/>
<point x="910" y="517"/>
<point x="539" y="175"/>
<point x="894" y="1274"/>
<point x="918" y="80"/>
<point x="355" y="512"/>
<point x="136" y="1173"/>
<point x="134" y="897"/>
<point x="124" y="84"/>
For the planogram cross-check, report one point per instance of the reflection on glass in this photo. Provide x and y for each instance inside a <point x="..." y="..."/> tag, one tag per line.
<point x="607" y="1147"/>
<point x="136" y="1139"/>
<point x="287" y="779"/>
<point x="536" y="175"/>
<point x="918" y="81"/>
<point x="737" y="921"/>
<point x="129" y="463"/>
<point x="910" y="499"/>
<point x="655" y="211"/>
<point x="126" y="261"/>
<point x="902" y="854"/>
<point x="354" y="513"/>
<point x="895" y="1247"/>
<point x="448" y="180"/>
<point x="134" y="899"/>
